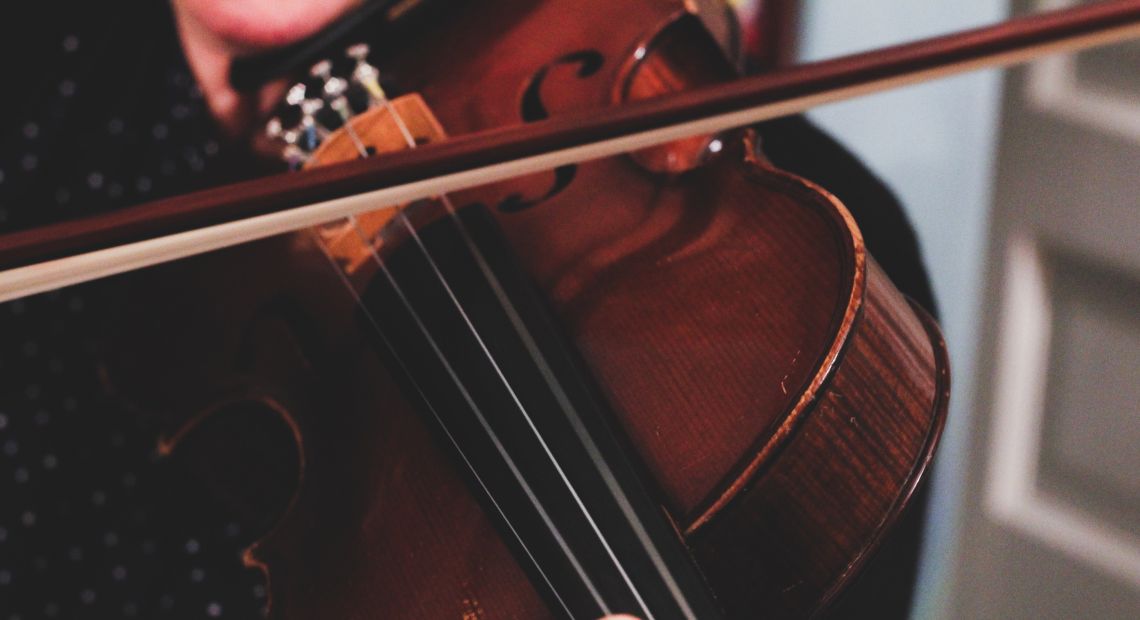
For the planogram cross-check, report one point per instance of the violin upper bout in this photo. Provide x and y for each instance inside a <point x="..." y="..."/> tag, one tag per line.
<point x="678" y="55"/>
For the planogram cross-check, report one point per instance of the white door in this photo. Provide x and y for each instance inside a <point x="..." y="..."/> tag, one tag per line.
<point x="1051" y="523"/>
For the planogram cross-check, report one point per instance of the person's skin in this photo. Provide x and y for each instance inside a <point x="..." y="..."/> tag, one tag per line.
<point x="214" y="32"/>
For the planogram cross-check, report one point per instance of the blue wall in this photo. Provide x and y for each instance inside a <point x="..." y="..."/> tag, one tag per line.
<point x="934" y="145"/>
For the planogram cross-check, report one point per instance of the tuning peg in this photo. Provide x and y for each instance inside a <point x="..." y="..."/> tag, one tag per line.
<point x="303" y="139"/>
<point x="296" y="94"/>
<point x="365" y="74"/>
<point x="322" y="69"/>
<point x="358" y="52"/>
<point x="310" y="107"/>
<point x="291" y="136"/>
<point x="294" y="156"/>
<point x="312" y="132"/>
<point x="273" y="129"/>
<point x="334" y="86"/>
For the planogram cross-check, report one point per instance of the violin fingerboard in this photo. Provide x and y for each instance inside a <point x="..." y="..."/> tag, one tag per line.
<point x="483" y="360"/>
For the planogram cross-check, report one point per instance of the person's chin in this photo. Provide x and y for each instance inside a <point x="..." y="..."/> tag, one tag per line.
<point x="265" y="24"/>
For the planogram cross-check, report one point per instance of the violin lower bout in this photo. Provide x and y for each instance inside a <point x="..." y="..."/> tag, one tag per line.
<point x="849" y="468"/>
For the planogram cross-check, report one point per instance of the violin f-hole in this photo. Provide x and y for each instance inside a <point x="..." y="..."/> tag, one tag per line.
<point x="533" y="109"/>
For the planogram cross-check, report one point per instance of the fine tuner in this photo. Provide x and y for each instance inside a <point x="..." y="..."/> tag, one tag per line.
<point x="341" y="119"/>
<point x="310" y="102"/>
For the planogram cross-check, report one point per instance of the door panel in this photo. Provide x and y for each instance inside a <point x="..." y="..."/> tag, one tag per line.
<point x="1052" y="525"/>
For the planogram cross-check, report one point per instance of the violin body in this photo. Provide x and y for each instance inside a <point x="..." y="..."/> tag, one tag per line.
<point x="780" y="396"/>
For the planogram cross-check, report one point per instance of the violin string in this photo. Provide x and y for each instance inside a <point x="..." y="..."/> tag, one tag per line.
<point x="499" y="447"/>
<point x="356" y="141"/>
<point x="362" y="151"/>
<point x="564" y="403"/>
<point x="526" y="415"/>
<point x="371" y="318"/>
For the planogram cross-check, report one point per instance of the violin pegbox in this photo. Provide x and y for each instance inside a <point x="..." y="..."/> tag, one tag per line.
<point x="345" y="118"/>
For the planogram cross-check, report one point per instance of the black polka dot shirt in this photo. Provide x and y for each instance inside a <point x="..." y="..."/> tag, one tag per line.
<point x="101" y="113"/>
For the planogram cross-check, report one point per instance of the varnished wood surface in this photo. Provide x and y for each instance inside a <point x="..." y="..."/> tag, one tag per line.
<point x="381" y="524"/>
<point x="729" y="317"/>
<point x="698" y="387"/>
<point x="505" y="143"/>
<point x="850" y="468"/>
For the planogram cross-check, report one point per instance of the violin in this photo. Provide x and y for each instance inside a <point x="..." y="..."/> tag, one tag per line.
<point x="670" y="383"/>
